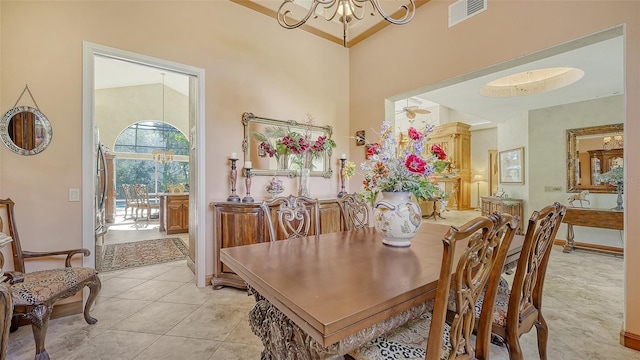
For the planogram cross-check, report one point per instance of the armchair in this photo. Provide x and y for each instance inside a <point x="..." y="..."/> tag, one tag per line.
<point x="34" y="293"/>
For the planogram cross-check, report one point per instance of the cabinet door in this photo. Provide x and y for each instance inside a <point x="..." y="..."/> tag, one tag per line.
<point x="236" y="227"/>
<point x="177" y="216"/>
<point x="330" y="217"/>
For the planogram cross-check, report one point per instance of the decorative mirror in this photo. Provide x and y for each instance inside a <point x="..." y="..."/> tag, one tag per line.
<point x="592" y="151"/>
<point x="262" y="145"/>
<point x="25" y="130"/>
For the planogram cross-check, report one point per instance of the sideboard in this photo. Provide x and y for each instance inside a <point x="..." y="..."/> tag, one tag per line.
<point x="237" y="224"/>
<point x="515" y="207"/>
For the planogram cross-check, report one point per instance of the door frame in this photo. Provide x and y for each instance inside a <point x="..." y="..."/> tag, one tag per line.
<point x="196" y="194"/>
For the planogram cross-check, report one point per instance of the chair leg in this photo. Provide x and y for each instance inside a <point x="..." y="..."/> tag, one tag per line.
<point x="513" y="345"/>
<point x="39" y="317"/>
<point x="543" y="335"/>
<point x="94" y="288"/>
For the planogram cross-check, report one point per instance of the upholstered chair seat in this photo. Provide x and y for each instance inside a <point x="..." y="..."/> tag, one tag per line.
<point x="40" y="286"/>
<point x="405" y="342"/>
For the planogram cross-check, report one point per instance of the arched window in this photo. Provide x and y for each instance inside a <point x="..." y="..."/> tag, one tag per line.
<point x="134" y="162"/>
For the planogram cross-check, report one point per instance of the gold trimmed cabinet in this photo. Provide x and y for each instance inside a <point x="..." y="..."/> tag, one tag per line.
<point x="237" y="224"/>
<point x="455" y="139"/>
<point x="515" y="207"/>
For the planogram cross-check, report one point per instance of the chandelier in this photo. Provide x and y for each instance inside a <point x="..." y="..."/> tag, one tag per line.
<point x="163" y="155"/>
<point x="612" y="142"/>
<point x="345" y="11"/>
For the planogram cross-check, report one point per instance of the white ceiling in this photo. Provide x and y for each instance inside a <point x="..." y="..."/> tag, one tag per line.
<point x="602" y="63"/>
<point x="113" y="73"/>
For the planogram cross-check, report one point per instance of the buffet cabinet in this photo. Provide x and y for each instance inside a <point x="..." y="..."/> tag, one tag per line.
<point x="237" y="224"/>
<point x="515" y="207"/>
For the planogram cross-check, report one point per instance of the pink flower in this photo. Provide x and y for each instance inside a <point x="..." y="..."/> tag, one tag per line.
<point x="414" y="134"/>
<point x="437" y="151"/>
<point x="415" y="164"/>
<point x="372" y="150"/>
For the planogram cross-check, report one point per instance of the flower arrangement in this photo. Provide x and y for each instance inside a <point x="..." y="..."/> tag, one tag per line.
<point x="614" y="177"/>
<point x="390" y="167"/>
<point x="278" y="141"/>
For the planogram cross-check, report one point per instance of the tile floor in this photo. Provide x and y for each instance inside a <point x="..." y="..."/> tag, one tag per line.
<point x="156" y="312"/>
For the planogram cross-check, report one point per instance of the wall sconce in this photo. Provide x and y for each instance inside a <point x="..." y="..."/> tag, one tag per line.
<point x="360" y="139"/>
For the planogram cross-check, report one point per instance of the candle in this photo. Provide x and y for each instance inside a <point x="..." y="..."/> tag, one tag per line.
<point x="233" y="156"/>
<point x="343" y="156"/>
<point x="247" y="164"/>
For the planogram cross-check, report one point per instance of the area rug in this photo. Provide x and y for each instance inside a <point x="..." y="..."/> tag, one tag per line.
<point x="140" y="253"/>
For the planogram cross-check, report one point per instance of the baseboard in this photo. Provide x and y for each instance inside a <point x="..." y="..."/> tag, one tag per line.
<point x="604" y="249"/>
<point x="629" y="340"/>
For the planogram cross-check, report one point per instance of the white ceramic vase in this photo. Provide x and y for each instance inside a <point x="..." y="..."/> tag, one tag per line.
<point x="397" y="217"/>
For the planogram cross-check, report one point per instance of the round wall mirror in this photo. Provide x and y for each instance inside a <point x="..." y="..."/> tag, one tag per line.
<point x="25" y="130"/>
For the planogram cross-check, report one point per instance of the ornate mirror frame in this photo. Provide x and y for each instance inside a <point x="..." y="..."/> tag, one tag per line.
<point x="41" y="132"/>
<point x="250" y="144"/>
<point x="572" y="159"/>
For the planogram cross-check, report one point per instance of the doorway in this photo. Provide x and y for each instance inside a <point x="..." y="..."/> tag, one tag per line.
<point x="151" y="76"/>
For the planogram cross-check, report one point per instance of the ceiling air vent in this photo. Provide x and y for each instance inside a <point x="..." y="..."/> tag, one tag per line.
<point x="464" y="9"/>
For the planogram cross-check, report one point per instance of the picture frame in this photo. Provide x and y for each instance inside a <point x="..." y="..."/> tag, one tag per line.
<point x="511" y="166"/>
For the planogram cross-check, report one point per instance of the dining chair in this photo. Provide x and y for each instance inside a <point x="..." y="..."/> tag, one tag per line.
<point x="518" y="309"/>
<point x="130" y="201"/>
<point x="295" y="216"/>
<point x="144" y="202"/>
<point x="355" y="211"/>
<point x="6" y="311"/>
<point x="34" y="293"/>
<point x="477" y="270"/>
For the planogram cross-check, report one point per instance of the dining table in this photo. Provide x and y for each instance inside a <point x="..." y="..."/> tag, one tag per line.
<point x="322" y="296"/>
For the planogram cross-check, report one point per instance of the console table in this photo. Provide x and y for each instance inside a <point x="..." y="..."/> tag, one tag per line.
<point x="598" y="218"/>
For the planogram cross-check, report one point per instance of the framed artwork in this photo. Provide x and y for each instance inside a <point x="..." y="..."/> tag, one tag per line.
<point x="360" y="139"/>
<point x="511" y="166"/>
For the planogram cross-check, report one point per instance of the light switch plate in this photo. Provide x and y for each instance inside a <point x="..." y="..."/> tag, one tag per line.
<point x="74" y="194"/>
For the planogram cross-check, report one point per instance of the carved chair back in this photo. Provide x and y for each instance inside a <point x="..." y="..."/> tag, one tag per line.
<point x="143" y="200"/>
<point x="294" y="216"/>
<point x="355" y="211"/>
<point x="525" y="297"/>
<point x="472" y="260"/>
<point x="130" y="200"/>
<point x="478" y="270"/>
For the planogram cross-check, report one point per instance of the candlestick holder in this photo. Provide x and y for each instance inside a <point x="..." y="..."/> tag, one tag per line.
<point x="342" y="191"/>
<point x="247" y="183"/>
<point x="233" y="177"/>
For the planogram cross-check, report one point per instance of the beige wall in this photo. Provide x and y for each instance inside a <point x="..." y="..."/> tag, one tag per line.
<point x="250" y="64"/>
<point x="507" y="30"/>
<point x="547" y="160"/>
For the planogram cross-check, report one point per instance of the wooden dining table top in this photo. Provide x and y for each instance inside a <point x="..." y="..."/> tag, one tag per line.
<point x="333" y="285"/>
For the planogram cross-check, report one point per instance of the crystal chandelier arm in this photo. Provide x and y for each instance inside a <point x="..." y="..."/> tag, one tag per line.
<point x="409" y="11"/>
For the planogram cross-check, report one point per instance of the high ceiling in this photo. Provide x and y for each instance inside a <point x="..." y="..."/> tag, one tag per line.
<point x="601" y="61"/>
